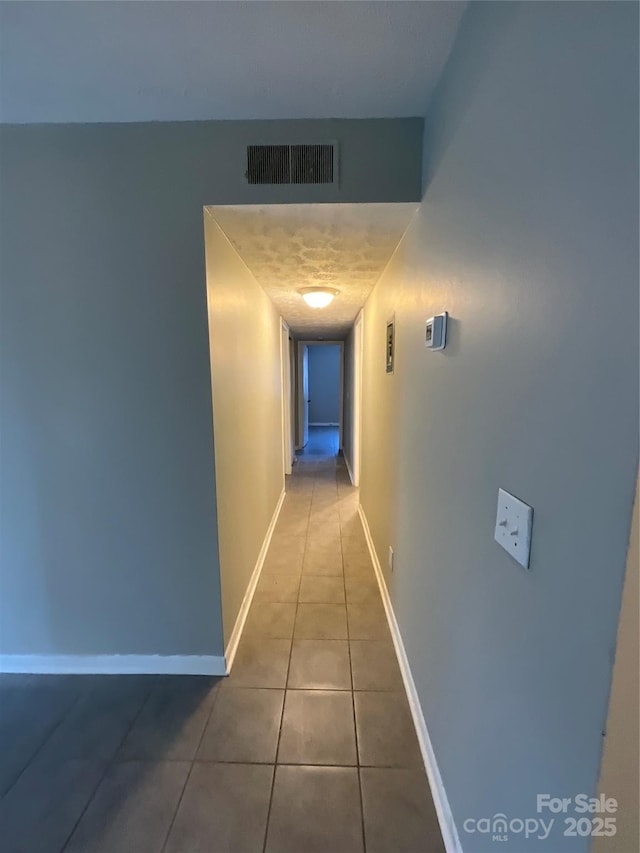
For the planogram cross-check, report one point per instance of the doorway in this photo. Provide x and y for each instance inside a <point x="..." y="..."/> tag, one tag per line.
<point x="319" y="391"/>
<point x="286" y="343"/>
<point x="356" y="403"/>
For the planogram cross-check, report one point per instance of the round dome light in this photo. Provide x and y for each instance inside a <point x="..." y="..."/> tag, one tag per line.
<point x="318" y="297"/>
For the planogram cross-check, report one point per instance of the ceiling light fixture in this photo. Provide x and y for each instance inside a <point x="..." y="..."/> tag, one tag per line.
<point x="318" y="297"/>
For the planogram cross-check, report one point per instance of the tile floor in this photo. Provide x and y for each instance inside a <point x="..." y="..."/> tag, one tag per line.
<point x="307" y="747"/>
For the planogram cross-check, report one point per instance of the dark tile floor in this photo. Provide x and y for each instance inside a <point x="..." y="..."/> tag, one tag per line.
<point x="307" y="747"/>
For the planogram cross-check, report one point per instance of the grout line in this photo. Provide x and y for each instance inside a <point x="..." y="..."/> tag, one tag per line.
<point x="353" y="696"/>
<point x="242" y="763"/>
<point x="112" y="761"/>
<point x="45" y="737"/>
<point x="311" y="689"/>
<point x="300" y="764"/>
<point x="286" y="682"/>
<point x="193" y="761"/>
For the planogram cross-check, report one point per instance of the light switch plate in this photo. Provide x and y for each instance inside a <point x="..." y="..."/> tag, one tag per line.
<point x="513" y="527"/>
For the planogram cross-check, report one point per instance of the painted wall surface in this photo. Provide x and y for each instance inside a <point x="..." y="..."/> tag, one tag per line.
<point x="528" y="236"/>
<point x="108" y="515"/>
<point x="244" y="340"/>
<point x="347" y="400"/>
<point x="619" y="770"/>
<point x="324" y="384"/>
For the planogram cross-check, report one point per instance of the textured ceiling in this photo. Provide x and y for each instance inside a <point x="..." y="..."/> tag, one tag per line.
<point x="288" y="246"/>
<point x="155" y="61"/>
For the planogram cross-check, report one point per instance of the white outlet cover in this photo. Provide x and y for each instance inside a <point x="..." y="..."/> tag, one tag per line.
<point x="514" y="520"/>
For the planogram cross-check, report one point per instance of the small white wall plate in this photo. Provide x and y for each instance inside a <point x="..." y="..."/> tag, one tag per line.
<point x="514" y="521"/>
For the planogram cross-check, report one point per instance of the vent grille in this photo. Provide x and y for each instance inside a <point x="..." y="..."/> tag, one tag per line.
<point x="292" y="164"/>
<point x="312" y="164"/>
<point x="268" y="164"/>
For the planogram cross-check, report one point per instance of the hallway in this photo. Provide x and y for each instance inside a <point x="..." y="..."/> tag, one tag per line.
<point x="316" y="688"/>
<point x="319" y="518"/>
<point x="307" y="747"/>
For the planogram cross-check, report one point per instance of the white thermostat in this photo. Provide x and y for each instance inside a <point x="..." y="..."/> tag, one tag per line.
<point x="435" y="335"/>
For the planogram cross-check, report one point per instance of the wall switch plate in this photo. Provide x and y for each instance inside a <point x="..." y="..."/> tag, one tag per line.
<point x="513" y="527"/>
<point x="390" y="562"/>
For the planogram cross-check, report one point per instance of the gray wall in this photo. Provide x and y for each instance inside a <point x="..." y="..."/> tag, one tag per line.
<point x="324" y="384"/>
<point x="108" y="514"/>
<point x="528" y="236"/>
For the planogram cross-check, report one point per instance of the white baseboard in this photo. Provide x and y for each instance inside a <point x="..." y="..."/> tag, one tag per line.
<point x="234" y="639"/>
<point x="445" y="816"/>
<point x="323" y="423"/>
<point x="148" y="664"/>
<point x="114" y="664"/>
<point x="349" y="471"/>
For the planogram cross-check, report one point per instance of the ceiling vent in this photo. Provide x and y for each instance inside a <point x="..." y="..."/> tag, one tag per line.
<point x="292" y="164"/>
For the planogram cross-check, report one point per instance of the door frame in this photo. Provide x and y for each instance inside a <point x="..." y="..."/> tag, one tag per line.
<point x="301" y="403"/>
<point x="356" y="424"/>
<point x="299" y="395"/>
<point x="285" y="373"/>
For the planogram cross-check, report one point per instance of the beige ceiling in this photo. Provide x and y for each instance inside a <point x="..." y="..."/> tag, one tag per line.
<point x="288" y="246"/>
